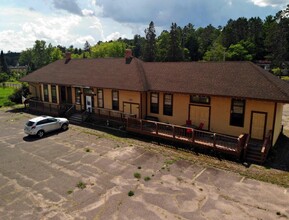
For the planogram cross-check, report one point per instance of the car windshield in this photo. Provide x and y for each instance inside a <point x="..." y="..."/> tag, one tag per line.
<point x="30" y="123"/>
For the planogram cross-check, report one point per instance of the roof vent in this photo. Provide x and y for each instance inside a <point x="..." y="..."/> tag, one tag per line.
<point x="128" y="56"/>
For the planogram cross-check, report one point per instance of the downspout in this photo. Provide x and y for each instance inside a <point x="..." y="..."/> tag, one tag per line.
<point x="274" y="121"/>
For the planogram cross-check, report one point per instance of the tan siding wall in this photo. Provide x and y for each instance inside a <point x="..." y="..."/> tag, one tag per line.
<point x="220" y="115"/>
<point x="180" y="109"/>
<point x="107" y="98"/>
<point x="144" y="106"/>
<point x="128" y="96"/>
<point x="35" y="90"/>
<point x="278" y="122"/>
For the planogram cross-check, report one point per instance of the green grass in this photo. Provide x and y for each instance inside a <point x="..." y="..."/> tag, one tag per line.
<point x="4" y="94"/>
<point x="285" y="78"/>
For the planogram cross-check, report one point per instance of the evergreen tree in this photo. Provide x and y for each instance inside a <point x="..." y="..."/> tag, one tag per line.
<point x="175" y="51"/>
<point x="3" y="64"/>
<point x="149" y="53"/>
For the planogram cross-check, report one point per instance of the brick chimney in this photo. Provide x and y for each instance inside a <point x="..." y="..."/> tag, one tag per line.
<point x="67" y="57"/>
<point x="128" y="56"/>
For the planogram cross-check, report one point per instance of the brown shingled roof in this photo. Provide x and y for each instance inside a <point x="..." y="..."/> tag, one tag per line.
<point x="101" y="73"/>
<point x="234" y="79"/>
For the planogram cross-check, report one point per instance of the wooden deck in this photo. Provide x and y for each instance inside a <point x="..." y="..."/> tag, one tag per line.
<point x="218" y="142"/>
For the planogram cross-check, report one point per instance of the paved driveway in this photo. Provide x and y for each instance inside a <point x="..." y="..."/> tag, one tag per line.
<point x="39" y="178"/>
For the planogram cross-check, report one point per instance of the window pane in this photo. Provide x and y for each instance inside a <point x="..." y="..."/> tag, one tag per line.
<point x="100" y="98"/>
<point x="53" y="94"/>
<point x="77" y="95"/>
<point x="200" y="99"/>
<point x="237" y="112"/>
<point x="154" y="103"/>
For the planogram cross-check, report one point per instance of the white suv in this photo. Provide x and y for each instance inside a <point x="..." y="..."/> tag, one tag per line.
<point x="43" y="124"/>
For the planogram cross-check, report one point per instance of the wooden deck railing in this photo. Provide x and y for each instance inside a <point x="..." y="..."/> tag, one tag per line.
<point x="266" y="145"/>
<point x="108" y="114"/>
<point x="206" y="139"/>
<point x="45" y="108"/>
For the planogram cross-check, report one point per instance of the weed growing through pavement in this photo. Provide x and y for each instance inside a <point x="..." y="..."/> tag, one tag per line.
<point x="137" y="175"/>
<point x="130" y="193"/>
<point x="81" y="185"/>
<point x="69" y="191"/>
<point x="147" y="178"/>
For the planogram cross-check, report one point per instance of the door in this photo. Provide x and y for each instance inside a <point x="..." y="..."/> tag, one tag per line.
<point x="88" y="103"/>
<point x="258" y="125"/>
<point x="63" y="94"/>
<point x="200" y="114"/>
<point x="131" y="108"/>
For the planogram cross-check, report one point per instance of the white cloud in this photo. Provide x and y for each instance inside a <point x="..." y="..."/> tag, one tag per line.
<point x="87" y="12"/>
<point x="272" y="3"/>
<point x="114" y="36"/>
<point x="55" y="29"/>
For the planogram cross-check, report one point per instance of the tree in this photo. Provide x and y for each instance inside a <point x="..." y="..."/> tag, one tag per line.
<point x="149" y="53"/>
<point x="190" y="42"/>
<point x="108" y="49"/>
<point x="275" y="41"/>
<point x="40" y="54"/>
<point x="235" y="31"/>
<point x="175" y="50"/>
<point x="137" y="45"/>
<point x="216" y="53"/>
<point x="56" y="54"/>
<point x="206" y="37"/>
<point x="163" y="47"/>
<point x="3" y="64"/>
<point x="238" y="52"/>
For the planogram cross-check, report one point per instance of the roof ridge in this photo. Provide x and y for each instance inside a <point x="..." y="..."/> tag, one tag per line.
<point x="265" y="74"/>
<point x="142" y="74"/>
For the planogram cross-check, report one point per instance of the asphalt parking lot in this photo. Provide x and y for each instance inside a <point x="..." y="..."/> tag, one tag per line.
<point x="84" y="173"/>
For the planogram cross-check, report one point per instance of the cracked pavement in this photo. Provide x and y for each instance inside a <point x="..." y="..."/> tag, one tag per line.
<point x="39" y="177"/>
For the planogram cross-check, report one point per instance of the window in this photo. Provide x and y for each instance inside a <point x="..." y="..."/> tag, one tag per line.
<point x="155" y="103"/>
<point x="199" y="99"/>
<point x="115" y="102"/>
<point x="168" y="104"/>
<point x="100" y="98"/>
<point x="237" y="112"/>
<point x="77" y="96"/>
<point x="53" y="94"/>
<point x="46" y="97"/>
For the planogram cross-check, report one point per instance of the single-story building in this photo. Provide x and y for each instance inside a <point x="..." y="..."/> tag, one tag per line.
<point x="229" y="98"/>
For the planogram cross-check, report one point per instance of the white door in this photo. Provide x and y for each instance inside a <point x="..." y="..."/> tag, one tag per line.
<point x="88" y="103"/>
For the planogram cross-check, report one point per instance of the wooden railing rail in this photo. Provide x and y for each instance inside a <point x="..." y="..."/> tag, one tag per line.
<point x="266" y="145"/>
<point x="219" y="142"/>
<point x="45" y="107"/>
<point x="69" y="111"/>
<point x="112" y="114"/>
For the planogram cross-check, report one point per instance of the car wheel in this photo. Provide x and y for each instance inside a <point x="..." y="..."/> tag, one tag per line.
<point x="40" y="134"/>
<point x="64" y="127"/>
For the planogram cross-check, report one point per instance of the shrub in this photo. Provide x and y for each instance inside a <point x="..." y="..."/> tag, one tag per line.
<point x="137" y="175"/>
<point x="18" y="93"/>
<point x="130" y="193"/>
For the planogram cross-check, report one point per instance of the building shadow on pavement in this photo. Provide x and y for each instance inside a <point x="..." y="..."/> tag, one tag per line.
<point x="278" y="157"/>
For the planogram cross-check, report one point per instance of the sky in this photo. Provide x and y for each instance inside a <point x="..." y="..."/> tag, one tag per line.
<point x="73" y="22"/>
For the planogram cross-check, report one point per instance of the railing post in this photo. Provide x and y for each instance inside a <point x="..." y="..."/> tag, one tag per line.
<point x="193" y="135"/>
<point x="214" y="143"/>
<point x="141" y="125"/>
<point x="174" y="134"/>
<point x="157" y="128"/>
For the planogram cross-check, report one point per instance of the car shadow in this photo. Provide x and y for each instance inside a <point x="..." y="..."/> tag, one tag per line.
<point x="32" y="138"/>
